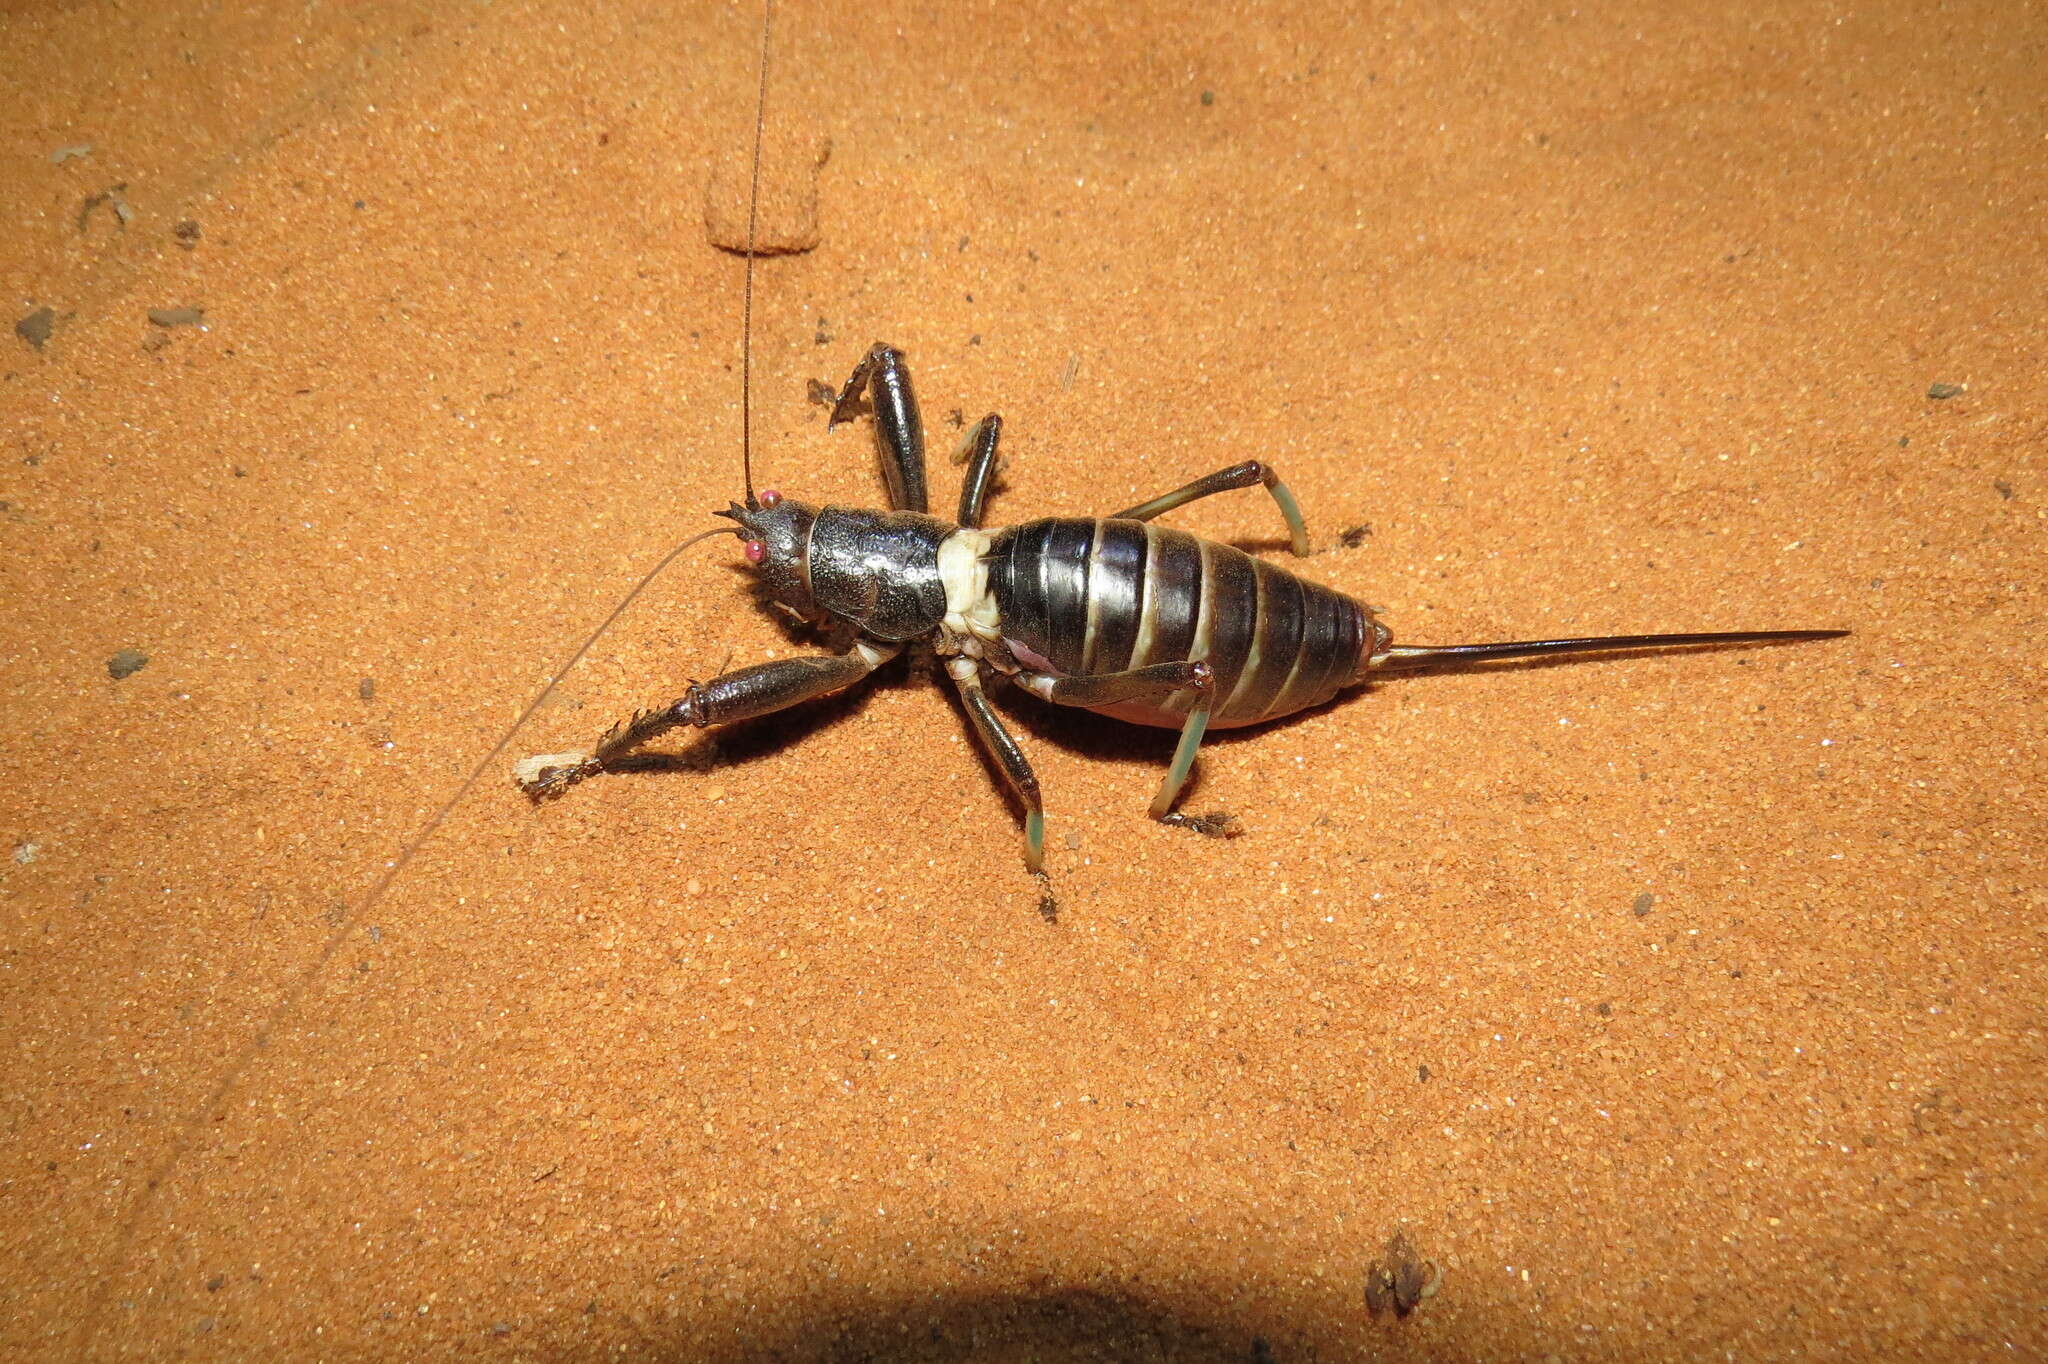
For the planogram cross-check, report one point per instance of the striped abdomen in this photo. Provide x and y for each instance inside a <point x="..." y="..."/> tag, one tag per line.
<point x="1084" y="596"/>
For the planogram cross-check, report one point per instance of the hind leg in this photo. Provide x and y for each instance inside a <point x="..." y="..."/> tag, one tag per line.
<point x="1156" y="684"/>
<point x="1222" y="481"/>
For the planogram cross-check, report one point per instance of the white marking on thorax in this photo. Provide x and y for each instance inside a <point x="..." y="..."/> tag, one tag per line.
<point x="971" y="615"/>
<point x="875" y="654"/>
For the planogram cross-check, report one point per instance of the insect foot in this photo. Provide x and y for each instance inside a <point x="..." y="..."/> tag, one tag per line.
<point x="547" y="775"/>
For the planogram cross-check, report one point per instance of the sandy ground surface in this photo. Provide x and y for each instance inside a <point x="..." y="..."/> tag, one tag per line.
<point x="1678" y="1007"/>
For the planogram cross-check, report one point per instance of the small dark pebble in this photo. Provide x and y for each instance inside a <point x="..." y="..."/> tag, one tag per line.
<point x="176" y="317"/>
<point x="1422" y="1074"/>
<point x="501" y="1328"/>
<point x="1643" y="904"/>
<point x="820" y="393"/>
<point x="1940" y="391"/>
<point x="37" y="326"/>
<point x="367" y="689"/>
<point x="187" y="233"/>
<point x="2003" y="488"/>
<point x="1355" y="536"/>
<point x="1604" y="1009"/>
<point x="127" y="663"/>
<point x="216" y="1283"/>
<point x="1208" y="98"/>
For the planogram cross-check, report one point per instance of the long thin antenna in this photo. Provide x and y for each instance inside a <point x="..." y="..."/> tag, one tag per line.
<point x="86" y="1328"/>
<point x="747" y="295"/>
<point x="1450" y="655"/>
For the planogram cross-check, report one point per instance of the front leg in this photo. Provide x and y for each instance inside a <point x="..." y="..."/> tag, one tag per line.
<point x="737" y="695"/>
<point x="899" y="428"/>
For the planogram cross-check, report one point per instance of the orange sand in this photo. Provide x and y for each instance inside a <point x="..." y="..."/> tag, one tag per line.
<point x="1669" y="1007"/>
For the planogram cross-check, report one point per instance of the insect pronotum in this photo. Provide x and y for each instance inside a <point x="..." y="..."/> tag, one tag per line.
<point x="1113" y="614"/>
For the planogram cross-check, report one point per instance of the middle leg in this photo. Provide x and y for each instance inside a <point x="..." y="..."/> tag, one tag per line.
<point x="988" y="726"/>
<point x="978" y="452"/>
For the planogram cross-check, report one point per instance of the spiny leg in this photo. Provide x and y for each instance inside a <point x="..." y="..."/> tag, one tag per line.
<point x="1224" y="480"/>
<point x="737" y="695"/>
<point x="1156" y="684"/>
<point x="978" y="453"/>
<point x="899" y="429"/>
<point x="988" y="726"/>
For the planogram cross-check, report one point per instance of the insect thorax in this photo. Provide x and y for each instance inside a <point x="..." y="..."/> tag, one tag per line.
<point x="879" y="571"/>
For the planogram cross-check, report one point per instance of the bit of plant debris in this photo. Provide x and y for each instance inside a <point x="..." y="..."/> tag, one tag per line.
<point x="1215" y="824"/>
<point x="1354" y="536"/>
<point x="37" y="326"/>
<point x="1402" y="1280"/>
<point x="126" y="664"/>
<point x="176" y="317"/>
<point x="1643" y="904"/>
<point x="1941" y="391"/>
<point x="820" y="393"/>
<point x="77" y="151"/>
<point x="112" y="199"/>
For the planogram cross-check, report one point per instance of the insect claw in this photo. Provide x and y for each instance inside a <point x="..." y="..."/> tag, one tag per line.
<point x="547" y="775"/>
<point x="1048" y="903"/>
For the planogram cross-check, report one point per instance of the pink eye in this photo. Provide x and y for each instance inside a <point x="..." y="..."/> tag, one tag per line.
<point x="770" y="498"/>
<point x="756" y="551"/>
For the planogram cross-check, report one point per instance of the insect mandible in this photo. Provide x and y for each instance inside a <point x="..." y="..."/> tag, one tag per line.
<point x="1113" y="614"/>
